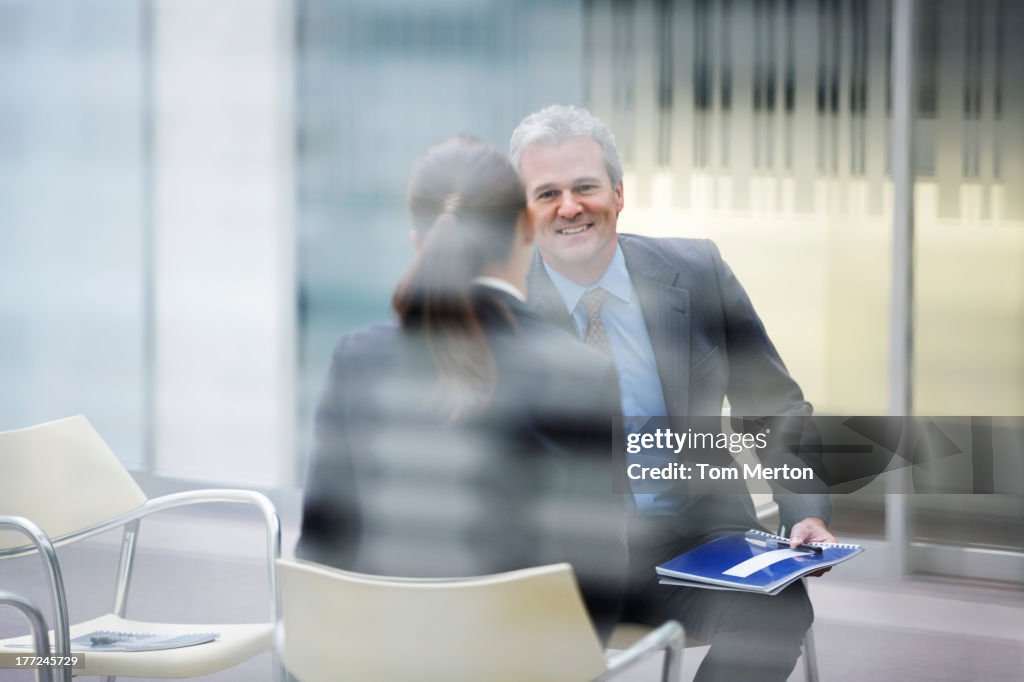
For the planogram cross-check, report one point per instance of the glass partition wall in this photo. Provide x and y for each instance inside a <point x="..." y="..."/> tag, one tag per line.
<point x="761" y="124"/>
<point x="764" y="125"/>
<point x="172" y="192"/>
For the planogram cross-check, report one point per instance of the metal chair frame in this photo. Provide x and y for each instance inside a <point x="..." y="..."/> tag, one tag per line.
<point x="668" y="637"/>
<point x="37" y="624"/>
<point x="131" y="521"/>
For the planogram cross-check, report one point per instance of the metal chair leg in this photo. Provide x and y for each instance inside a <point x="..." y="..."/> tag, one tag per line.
<point x="672" y="668"/>
<point x="61" y="638"/>
<point x="37" y="625"/>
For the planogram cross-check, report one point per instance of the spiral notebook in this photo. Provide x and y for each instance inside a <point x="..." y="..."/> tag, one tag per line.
<point x="108" y="640"/>
<point x="753" y="561"/>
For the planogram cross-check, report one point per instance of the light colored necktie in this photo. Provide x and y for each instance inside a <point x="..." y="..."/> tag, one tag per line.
<point x="596" y="335"/>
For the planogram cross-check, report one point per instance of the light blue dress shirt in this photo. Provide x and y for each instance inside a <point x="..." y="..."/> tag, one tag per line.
<point x="643" y="401"/>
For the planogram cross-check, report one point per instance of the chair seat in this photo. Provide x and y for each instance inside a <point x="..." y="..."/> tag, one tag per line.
<point x="236" y="644"/>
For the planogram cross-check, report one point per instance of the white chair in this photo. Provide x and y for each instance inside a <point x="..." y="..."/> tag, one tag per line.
<point x="37" y="626"/>
<point x="61" y="484"/>
<point x="522" y="626"/>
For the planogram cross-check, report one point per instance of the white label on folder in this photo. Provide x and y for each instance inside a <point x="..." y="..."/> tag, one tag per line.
<point x="755" y="564"/>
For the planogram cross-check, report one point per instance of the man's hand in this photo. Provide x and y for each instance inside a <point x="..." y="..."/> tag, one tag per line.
<point x="811" y="529"/>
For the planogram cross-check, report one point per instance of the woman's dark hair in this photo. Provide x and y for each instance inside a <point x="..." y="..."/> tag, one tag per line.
<point x="465" y="198"/>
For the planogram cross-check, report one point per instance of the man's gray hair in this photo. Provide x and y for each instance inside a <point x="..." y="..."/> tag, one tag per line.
<point x="559" y="123"/>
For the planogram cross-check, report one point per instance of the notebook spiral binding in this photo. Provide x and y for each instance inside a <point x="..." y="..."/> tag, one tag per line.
<point x="823" y="545"/>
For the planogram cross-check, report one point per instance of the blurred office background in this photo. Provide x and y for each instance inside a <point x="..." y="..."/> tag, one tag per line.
<point x="197" y="198"/>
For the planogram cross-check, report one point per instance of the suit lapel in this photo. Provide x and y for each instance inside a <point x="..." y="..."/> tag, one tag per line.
<point x="543" y="297"/>
<point x="665" y="306"/>
<point x="666" y="309"/>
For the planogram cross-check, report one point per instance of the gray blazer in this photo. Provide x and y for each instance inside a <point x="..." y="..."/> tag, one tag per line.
<point x="709" y="344"/>
<point x="394" y="488"/>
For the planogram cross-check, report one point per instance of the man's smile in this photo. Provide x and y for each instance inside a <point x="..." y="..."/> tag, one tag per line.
<point x="575" y="229"/>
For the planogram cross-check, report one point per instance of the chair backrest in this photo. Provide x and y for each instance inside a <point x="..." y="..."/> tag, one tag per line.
<point x="526" y="625"/>
<point x="63" y="477"/>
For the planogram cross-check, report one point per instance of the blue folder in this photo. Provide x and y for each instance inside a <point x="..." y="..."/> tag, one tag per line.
<point x="753" y="561"/>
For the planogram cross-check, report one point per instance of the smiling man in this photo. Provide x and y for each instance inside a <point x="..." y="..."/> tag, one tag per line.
<point x="574" y="206"/>
<point x="683" y="336"/>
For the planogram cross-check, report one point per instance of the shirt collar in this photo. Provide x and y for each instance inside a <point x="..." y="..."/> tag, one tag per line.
<point x="500" y="285"/>
<point x="615" y="281"/>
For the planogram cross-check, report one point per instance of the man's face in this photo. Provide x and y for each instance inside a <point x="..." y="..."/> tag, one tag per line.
<point x="573" y="206"/>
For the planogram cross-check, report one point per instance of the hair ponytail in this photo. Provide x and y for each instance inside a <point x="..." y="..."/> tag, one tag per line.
<point x="435" y="298"/>
<point x="465" y="199"/>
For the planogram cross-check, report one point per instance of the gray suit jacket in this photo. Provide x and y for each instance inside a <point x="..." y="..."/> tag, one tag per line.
<point x="395" y="489"/>
<point x="709" y="344"/>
